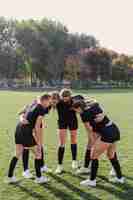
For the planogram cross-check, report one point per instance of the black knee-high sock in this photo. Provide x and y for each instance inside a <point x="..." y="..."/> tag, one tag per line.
<point x="94" y="169"/>
<point x="25" y="159"/>
<point x="42" y="159"/>
<point x="61" y="151"/>
<point x="87" y="158"/>
<point x="38" y="167"/>
<point x="116" y="165"/>
<point x="12" y="166"/>
<point x="74" y="151"/>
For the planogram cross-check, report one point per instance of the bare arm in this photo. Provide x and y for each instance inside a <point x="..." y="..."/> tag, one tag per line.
<point x="23" y="110"/>
<point x="88" y="127"/>
<point x="22" y="119"/>
<point x="91" y="135"/>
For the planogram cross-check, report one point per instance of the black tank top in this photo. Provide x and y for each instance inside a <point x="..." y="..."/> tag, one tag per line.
<point x="34" y="113"/>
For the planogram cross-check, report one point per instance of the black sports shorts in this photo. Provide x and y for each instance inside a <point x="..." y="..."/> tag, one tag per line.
<point x="71" y="124"/>
<point x="110" y="134"/>
<point x="24" y="135"/>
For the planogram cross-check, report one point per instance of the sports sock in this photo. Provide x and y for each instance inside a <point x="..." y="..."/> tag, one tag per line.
<point x="42" y="158"/>
<point x="25" y="158"/>
<point x="38" y="167"/>
<point x="12" y="166"/>
<point x="87" y="158"/>
<point x="116" y="165"/>
<point x="94" y="169"/>
<point x="74" y="151"/>
<point x="61" y="151"/>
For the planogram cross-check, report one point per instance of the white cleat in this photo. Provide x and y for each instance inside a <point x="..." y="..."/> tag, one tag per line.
<point x="74" y="164"/>
<point x="45" y="169"/>
<point x="118" y="180"/>
<point x="83" y="170"/>
<point x="11" y="180"/>
<point x="112" y="172"/>
<point x="59" y="169"/>
<point x="42" y="179"/>
<point x="26" y="174"/>
<point x="88" y="182"/>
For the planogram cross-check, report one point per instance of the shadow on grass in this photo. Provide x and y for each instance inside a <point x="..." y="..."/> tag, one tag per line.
<point x="122" y="191"/>
<point x="81" y="193"/>
<point x="30" y="192"/>
<point x="59" y="193"/>
<point x="126" y="191"/>
<point x="129" y="178"/>
<point x="85" y="176"/>
<point x="81" y="177"/>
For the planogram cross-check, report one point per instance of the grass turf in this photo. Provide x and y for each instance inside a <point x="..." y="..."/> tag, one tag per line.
<point x="118" y="104"/>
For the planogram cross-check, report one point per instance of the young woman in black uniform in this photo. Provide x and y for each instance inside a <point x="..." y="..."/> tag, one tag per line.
<point x="67" y="119"/>
<point x="107" y="136"/>
<point x="30" y="135"/>
<point x="26" y="173"/>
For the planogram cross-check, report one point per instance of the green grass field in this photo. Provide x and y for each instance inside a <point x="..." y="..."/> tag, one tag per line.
<point x="118" y="105"/>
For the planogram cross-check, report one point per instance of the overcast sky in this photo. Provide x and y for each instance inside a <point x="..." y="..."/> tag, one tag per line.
<point x="111" y="21"/>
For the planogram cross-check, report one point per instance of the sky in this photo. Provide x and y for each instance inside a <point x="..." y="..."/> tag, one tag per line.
<point x="110" y="21"/>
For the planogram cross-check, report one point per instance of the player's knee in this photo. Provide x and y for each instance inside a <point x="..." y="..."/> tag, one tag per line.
<point x="38" y="152"/>
<point x="18" y="153"/>
<point x="17" y="156"/>
<point x="74" y="138"/>
<point x="38" y="155"/>
<point x="62" y="141"/>
<point x="88" y="146"/>
<point x="94" y="154"/>
<point x="110" y="155"/>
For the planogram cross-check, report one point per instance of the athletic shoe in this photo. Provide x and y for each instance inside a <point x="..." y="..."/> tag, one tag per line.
<point x="83" y="170"/>
<point x="88" y="182"/>
<point x="11" y="180"/>
<point x="26" y="174"/>
<point x="112" y="172"/>
<point x="59" y="169"/>
<point x="42" y="179"/>
<point x="45" y="169"/>
<point x="74" y="164"/>
<point x="118" y="180"/>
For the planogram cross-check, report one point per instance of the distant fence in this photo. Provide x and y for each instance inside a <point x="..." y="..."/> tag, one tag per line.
<point x="78" y="84"/>
<point x="102" y="85"/>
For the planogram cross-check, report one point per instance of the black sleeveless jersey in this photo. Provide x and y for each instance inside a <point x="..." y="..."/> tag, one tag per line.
<point x="65" y="112"/>
<point x="34" y="113"/>
<point x="89" y="115"/>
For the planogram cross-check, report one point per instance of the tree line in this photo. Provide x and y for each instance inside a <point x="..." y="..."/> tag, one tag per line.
<point x="44" y="50"/>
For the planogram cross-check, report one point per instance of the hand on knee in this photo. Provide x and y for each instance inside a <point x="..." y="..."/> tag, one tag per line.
<point x="94" y="155"/>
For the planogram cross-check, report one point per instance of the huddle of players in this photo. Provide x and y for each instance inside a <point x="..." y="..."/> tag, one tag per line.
<point x="102" y="135"/>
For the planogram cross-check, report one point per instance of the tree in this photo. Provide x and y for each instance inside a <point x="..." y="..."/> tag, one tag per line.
<point x="8" y="45"/>
<point x="72" y="68"/>
<point x="100" y="62"/>
<point x="121" y="68"/>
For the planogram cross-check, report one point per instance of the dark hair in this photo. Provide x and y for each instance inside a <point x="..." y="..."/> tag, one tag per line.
<point x="79" y="104"/>
<point x="65" y="93"/>
<point x="45" y="97"/>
